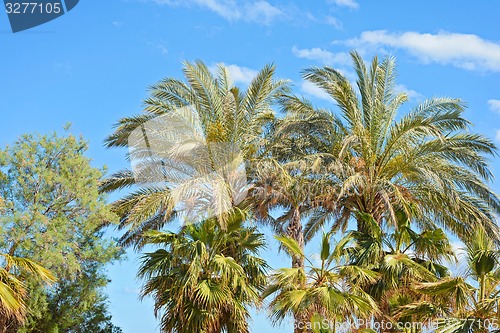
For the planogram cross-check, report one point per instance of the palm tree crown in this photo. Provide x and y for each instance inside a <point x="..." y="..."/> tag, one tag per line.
<point x="224" y="115"/>
<point x="204" y="279"/>
<point x="425" y="163"/>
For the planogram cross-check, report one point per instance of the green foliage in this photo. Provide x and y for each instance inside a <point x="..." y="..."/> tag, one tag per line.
<point x="461" y="307"/>
<point x="374" y="160"/>
<point x="74" y="306"/>
<point x="407" y="181"/>
<point x="13" y="293"/>
<point x="319" y="292"/>
<point x="404" y="260"/>
<point x="204" y="279"/>
<point x="227" y="114"/>
<point x="52" y="212"/>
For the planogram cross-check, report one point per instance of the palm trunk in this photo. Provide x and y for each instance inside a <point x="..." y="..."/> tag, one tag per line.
<point x="482" y="287"/>
<point x="295" y="232"/>
<point x="360" y="225"/>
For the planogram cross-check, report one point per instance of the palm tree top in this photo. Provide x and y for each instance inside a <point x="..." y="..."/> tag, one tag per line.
<point x="377" y="161"/>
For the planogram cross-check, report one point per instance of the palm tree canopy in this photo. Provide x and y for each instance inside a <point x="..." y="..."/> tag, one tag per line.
<point x="222" y="115"/>
<point x="463" y="307"/>
<point x="425" y="163"/>
<point x="203" y="278"/>
<point x="317" y="292"/>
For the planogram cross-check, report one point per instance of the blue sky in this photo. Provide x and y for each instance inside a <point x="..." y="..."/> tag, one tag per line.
<point x="94" y="64"/>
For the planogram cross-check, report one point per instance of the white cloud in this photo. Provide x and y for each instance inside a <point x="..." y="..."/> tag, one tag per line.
<point x="330" y="20"/>
<point x="117" y="24"/>
<point x="466" y="51"/>
<point x="242" y="74"/>
<point x="323" y="56"/>
<point x="239" y="74"/>
<point x="259" y="11"/>
<point x="494" y="105"/>
<point x="345" y="3"/>
<point x="497" y="136"/>
<point x="311" y="89"/>
<point x="412" y="94"/>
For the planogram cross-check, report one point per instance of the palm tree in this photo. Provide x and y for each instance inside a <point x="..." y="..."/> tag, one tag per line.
<point x="204" y="279"/>
<point x="368" y="165"/>
<point x="285" y="187"/>
<point x="13" y="293"/>
<point x="402" y="257"/>
<point x="221" y="115"/>
<point x="379" y="162"/>
<point x="319" y="294"/>
<point x="458" y="306"/>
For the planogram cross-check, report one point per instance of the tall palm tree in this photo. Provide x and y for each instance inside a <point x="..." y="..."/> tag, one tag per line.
<point x="203" y="279"/>
<point x="13" y="293"/>
<point x="379" y="162"/>
<point x="318" y="296"/>
<point x="221" y="114"/>
<point x="366" y="163"/>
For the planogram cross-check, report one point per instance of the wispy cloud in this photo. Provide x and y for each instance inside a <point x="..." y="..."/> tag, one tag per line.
<point x="159" y="46"/>
<point x="465" y="51"/>
<point x="323" y="56"/>
<point x="497" y="136"/>
<point x="162" y="48"/>
<point x="311" y="89"/>
<point x="239" y="74"/>
<point x="117" y="24"/>
<point x="412" y="94"/>
<point x="494" y="105"/>
<point x="131" y="291"/>
<point x="345" y="3"/>
<point x="259" y="11"/>
<point x="334" y="22"/>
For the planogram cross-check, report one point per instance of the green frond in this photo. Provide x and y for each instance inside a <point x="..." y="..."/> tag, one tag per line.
<point x="290" y="245"/>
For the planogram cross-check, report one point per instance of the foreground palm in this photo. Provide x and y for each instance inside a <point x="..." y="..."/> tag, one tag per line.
<point x="461" y="307"/>
<point x="205" y="278"/>
<point x="401" y="257"/>
<point x="316" y="295"/>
